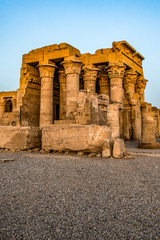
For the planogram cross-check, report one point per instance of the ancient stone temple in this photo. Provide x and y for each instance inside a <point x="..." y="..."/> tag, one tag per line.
<point x="73" y="101"/>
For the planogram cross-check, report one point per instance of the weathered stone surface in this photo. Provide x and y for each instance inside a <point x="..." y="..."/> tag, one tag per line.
<point x="75" y="137"/>
<point x="20" y="137"/>
<point x="107" y="148"/>
<point x="118" y="148"/>
<point x="92" y="155"/>
<point x="61" y="86"/>
<point x="113" y="119"/>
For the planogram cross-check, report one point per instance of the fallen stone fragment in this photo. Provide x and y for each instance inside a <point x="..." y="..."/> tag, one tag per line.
<point x="128" y="156"/>
<point x="80" y="153"/>
<point x="35" y="149"/>
<point x="42" y="151"/>
<point x="92" y="155"/>
<point x="6" y="160"/>
<point x="98" y="155"/>
<point x="66" y="152"/>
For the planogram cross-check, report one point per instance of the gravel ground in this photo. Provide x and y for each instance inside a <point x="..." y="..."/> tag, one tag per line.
<point x="57" y="196"/>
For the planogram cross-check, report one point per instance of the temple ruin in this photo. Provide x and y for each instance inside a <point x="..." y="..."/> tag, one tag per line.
<point x="79" y="102"/>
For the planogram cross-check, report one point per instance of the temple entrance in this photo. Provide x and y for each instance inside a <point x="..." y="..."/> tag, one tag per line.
<point x="8" y="106"/>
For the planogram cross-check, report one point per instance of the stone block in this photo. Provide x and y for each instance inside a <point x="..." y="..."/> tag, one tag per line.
<point x="107" y="148"/>
<point x="20" y="137"/>
<point x="148" y="145"/>
<point x="118" y="148"/>
<point x="88" y="138"/>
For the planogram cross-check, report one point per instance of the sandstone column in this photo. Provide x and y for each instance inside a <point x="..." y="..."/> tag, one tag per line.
<point x="156" y="118"/>
<point x="140" y="87"/>
<point x="159" y="123"/>
<point x="89" y="78"/>
<point x="133" y="99"/>
<point x="62" y="82"/>
<point x="129" y="82"/>
<point x="116" y="73"/>
<point x="104" y="84"/>
<point x="72" y="66"/>
<point x="126" y="125"/>
<point x="148" y="124"/>
<point x="46" y="100"/>
<point x="113" y="119"/>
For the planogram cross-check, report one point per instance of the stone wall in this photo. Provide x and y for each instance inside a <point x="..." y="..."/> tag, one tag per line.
<point x="22" y="138"/>
<point x="30" y="109"/>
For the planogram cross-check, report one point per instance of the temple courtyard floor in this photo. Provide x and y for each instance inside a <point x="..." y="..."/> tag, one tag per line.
<point x="65" y="196"/>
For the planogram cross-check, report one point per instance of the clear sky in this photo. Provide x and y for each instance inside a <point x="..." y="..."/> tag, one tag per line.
<point x="87" y="25"/>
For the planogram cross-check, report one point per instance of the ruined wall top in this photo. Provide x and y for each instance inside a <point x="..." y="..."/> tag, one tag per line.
<point x="55" y="51"/>
<point x="120" y="51"/>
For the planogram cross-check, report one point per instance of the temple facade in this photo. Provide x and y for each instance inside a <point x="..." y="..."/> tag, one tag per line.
<point x="59" y="87"/>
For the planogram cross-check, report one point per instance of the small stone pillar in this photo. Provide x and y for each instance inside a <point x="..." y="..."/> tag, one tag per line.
<point x="116" y="73"/>
<point x="62" y="82"/>
<point x="113" y="120"/>
<point x="148" y="124"/>
<point x="46" y="99"/>
<point x="90" y="77"/>
<point x="104" y="84"/>
<point x="72" y="67"/>
<point x="140" y="87"/>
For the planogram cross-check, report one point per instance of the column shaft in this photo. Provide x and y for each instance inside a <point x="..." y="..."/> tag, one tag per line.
<point x="104" y="84"/>
<point x="116" y="72"/>
<point x="46" y="99"/>
<point x="148" y="124"/>
<point x="62" y="81"/>
<point x="113" y="119"/>
<point x="72" y="67"/>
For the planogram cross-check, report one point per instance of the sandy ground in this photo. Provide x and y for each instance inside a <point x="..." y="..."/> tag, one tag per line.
<point x="58" y="196"/>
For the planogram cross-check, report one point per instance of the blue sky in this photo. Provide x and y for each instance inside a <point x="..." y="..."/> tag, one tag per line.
<point x="87" y="25"/>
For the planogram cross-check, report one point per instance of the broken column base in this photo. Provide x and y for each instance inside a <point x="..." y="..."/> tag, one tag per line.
<point x="22" y="138"/>
<point x="154" y="145"/>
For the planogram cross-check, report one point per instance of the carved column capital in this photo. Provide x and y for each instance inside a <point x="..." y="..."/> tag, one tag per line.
<point x="116" y="70"/>
<point x="130" y="77"/>
<point x="47" y="70"/>
<point x="72" y="65"/>
<point x="90" y="72"/>
<point x="141" y="82"/>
